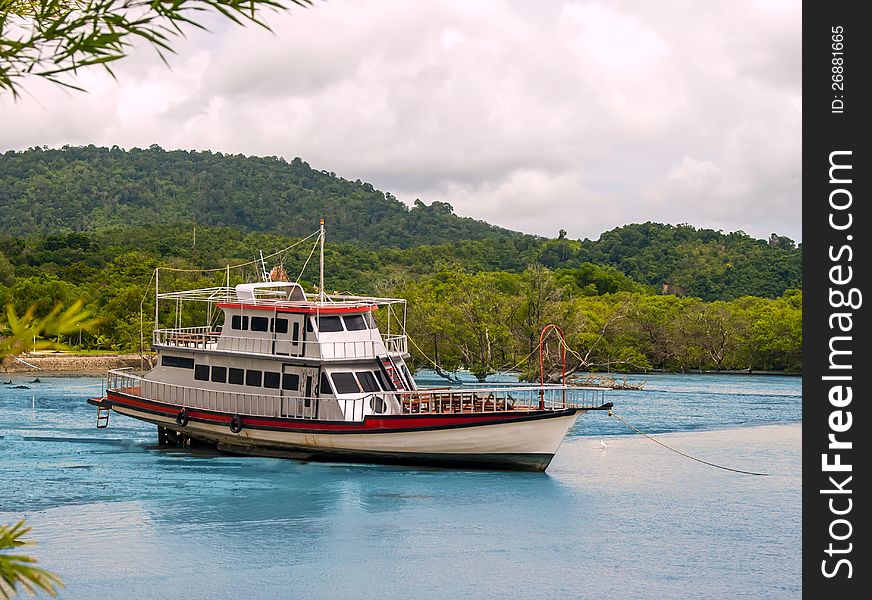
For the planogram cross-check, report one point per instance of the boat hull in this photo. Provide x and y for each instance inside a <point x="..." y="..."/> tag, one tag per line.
<point x="514" y="440"/>
<point x="505" y="461"/>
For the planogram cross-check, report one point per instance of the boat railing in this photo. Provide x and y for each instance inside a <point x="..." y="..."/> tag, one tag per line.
<point x="223" y="294"/>
<point x="238" y="403"/>
<point x="436" y="401"/>
<point x="507" y="398"/>
<point x="208" y="338"/>
<point x="186" y="337"/>
<point x="396" y="344"/>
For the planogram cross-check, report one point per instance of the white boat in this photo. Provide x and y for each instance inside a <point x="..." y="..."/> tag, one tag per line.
<point x="313" y="377"/>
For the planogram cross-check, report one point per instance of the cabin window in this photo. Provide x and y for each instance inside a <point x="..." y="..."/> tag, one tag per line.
<point x="345" y="383"/>
<point x="280" y="325"/>
<point x="324" y="386"/>
<point x="329" y="324"/>
<point x="370" y="322"/>
<point x="252" y="377"/>
<point x="367" y="381"/>
<point x="177" y="361"/>
<point x="354" y="323"/>
<point x="271" y="379"/>
<point x="378" y="404"/>
<point x="219" y="374"/>
<point x="201" y="372"/>
<point x="238" y="322"/>
<point x="236" y="376"/>
<point x="259" y="324"/>
<point x="383" y="379"/>
<point x="290" y="381"/>
<point x="309" y="327"/>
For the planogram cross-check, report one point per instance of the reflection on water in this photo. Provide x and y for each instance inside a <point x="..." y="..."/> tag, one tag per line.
<point x="614" y="517"/>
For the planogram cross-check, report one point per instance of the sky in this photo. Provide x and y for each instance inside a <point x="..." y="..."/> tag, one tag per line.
<point x="535" y="116"/>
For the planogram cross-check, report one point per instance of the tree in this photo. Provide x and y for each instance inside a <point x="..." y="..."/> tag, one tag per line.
<point x="539" y="300"/>
<point x="7" y="271"/>
<point x="24" y="332"/>
<point x="18" y="569"/>
<point x="54" y="38"/>
<point x="714" y="331"/>
<point x="654" y="320"/>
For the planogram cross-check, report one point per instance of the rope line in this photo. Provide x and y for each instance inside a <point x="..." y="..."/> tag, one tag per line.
<point x="306" y="264"/>
<point x="245" y="264"/>
<point x="531" y="353"/>
<point x="424" y="354"/>
<point x="142" y="313"/>
<point x="408" y="337"/>
<point x="656" y="441"/>
<point x="502" y="368"/>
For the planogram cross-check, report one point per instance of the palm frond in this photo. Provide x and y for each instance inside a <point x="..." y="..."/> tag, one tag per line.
<point x="18" y="570"/>
<point x="25" y="332"/>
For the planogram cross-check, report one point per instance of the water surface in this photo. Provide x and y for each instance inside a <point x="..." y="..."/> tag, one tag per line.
<point x="615" y="516"/>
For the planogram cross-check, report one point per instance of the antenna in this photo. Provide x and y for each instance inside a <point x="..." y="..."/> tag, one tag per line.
<point x="321" y="279"/>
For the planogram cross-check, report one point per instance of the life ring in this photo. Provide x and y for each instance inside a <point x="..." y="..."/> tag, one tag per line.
<point x="182" y="418"/>
<point x="236" y="424"/>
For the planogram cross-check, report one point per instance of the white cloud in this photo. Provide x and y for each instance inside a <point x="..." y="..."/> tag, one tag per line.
<point x="582" y="115"/>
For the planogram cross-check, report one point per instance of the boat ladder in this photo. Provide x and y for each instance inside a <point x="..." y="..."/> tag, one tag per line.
<point x="393" y="372"/>
<point x="103" y="417"/>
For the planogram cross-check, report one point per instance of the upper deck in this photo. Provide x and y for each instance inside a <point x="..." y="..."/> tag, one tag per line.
<point x="207" y="338"/>
<point x="279" y="319"/>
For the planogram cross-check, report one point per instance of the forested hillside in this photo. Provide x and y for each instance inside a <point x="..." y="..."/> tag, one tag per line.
<point x="93" y="223"/>
<point x="120" y="195"/>
<point x="89" y="188"/>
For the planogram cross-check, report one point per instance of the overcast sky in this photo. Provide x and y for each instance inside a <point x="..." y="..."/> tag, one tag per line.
<point x="534" y="116"/>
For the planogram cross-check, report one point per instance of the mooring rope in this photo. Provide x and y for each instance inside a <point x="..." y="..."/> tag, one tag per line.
<point x="656" y="441"/>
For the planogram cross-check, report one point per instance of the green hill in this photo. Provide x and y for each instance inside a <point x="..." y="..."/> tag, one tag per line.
<point x="77" y="208"/>
<point x="90" y="188"/>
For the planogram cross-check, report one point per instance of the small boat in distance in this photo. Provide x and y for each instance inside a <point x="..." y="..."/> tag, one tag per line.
<point x="278" y="372"/>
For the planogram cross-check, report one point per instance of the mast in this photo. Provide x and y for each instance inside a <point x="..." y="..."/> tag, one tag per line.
<point x="321" y="278"/>
<point x="263" y="273"/>
<point x="156" y="294"/>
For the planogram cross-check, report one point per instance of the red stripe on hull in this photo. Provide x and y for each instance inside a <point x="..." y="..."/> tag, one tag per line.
<point x="371" y="424"/>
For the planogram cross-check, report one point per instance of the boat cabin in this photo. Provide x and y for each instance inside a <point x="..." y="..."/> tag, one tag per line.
<point x="300" y="356"/>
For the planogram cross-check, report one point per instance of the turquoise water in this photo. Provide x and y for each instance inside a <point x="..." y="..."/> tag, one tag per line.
<point x="615" y="516"/>
<point x="673" y="403"/>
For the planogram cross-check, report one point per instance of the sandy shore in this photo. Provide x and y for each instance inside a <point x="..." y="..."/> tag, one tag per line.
<point x="59" y="362"/>
<point x="634" y="460"/>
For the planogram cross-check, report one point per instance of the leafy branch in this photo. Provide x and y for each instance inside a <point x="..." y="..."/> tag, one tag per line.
<point x="19" y="569"/>
<point x="24" y="333"/>
<point x="53" y="38"/>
